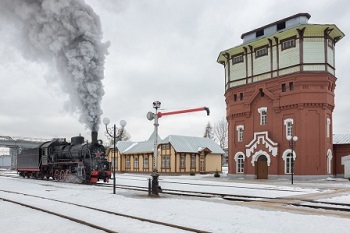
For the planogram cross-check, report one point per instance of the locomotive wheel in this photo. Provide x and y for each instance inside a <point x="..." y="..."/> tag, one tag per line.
<point x="62" y="175"/>
<point x="56" y="176"/>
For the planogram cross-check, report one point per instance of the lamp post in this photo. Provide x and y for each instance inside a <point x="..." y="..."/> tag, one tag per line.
<point x="292" y="141"/>
<point x="115" y="139"/>
<point x="151" y="116"/>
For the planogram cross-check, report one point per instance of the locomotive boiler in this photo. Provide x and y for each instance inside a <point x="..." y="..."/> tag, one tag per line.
<point x="77" y="161"/>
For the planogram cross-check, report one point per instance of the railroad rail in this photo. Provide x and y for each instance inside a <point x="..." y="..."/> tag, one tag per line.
<point x="90" y="224"/>
<point x="299" y="202"/>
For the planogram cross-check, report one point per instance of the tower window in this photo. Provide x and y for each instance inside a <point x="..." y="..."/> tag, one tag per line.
<point x="288" y="43"/>
<point x="241" y="96"/>
<point x="261" y="52"/>
<point x="259" y="33"/>
<point x="288" y="164"/>
<point x="263" y="115"/>
<point x="240" y="129"/>
<point x="283" y="87"/>
<point x="240" y="164"/>
<point x="281" y="25"/>
<point x="262" y="94"/>
<point x="328" y="125"/>
<point x="291" y="86"/>
<point x="235" y="97"/>
<point x="237" y="58"/>
<point x="289" y="126"/>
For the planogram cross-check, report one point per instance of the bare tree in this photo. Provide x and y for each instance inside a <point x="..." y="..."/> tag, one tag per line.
<point x="208" y="133"/>
<point x="221" y="133"/>
<point x="121" y="135"/>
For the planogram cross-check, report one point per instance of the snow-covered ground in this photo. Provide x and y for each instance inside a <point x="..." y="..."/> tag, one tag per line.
<point x="211" y="214"/>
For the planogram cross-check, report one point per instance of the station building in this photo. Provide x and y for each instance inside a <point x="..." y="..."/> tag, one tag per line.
<point x="176" y="155"/>
<point x="279" y="83"/>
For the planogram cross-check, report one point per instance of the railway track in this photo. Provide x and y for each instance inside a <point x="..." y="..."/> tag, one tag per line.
<point x="302" y="202"/>
<point x="164" y="226"/>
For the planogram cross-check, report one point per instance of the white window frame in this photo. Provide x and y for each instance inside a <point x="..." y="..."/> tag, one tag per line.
<point x="328" y="125"/>
<point x="240" y="129"/>
<point x="289" y="127"/>
<point x="263" y="115"/>
<point x="239" y="158"/>
<point x="329" y="161"/>
<point x="286" y="156"/>
<point x="288" y="164"/>
<point x="182" y="161"/>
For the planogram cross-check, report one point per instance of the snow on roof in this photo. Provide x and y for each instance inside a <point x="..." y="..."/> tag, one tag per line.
<point x="341" y="138"/>
<point x="180" y="144"/>
<point x="192" y="144"/>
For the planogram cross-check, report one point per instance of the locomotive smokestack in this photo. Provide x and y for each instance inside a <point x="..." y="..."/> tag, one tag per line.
<point x="94" y="135"/>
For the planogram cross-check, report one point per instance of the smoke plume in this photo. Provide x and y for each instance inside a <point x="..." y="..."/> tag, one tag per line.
<point x="67" y="33"/>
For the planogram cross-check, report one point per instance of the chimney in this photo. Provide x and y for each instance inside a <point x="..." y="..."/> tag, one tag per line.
<point x="94" y="137"/>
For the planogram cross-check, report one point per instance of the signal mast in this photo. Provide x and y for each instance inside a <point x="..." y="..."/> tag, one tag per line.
<point x="155" y="116"/>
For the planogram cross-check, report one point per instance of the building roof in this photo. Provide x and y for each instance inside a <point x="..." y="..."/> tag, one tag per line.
<point x="306" y="15"/>
<point x="192" y="144"/>
<point x="184" y="144"/>
<point x="341" y="138"/>
<point x="271" y="32"/>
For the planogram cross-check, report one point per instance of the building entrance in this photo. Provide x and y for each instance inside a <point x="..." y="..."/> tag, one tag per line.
<point x="261" y="167"/>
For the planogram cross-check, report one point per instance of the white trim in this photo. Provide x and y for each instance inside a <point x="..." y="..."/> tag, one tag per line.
<point x="284" y="157"/>
<point x="328" y="124"/>
<point x="240" y="129"/>
<point x="239" y="153"/>
<point x="236" y="159"/>
<point x="286" y="121"/>
<point x="256" y="156"/>
<point x="261" y="138"/>
<point x="329" y="161"/>
<point x="260" y="110"/>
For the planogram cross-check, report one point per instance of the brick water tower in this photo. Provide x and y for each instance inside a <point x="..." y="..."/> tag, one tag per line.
<point x="279" y="86"/>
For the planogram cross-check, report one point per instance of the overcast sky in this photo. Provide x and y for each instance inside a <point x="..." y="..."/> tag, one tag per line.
<point x="163" y="50"/>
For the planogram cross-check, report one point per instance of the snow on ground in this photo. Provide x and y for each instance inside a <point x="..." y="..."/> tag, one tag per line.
<point x="214" y="214"/>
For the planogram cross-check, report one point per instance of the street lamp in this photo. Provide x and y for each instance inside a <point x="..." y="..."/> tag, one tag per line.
<point x="151" y="116"/>
<point x="292" y="141"/>
<point x="116" y="138"/>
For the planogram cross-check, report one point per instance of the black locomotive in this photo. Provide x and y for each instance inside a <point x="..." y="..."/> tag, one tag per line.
<point x="77" y="161"/>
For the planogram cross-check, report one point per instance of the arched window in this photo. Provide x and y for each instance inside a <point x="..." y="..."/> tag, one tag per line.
<point x="288" y="164"/>
<point x="328" y="125"/>
<point x="329" y="161"/>
<point x="240" y="164"/>
<point x="239" y="158"/>
<point x="263" y="115"/>
<point x="289" y="126"/>
<point x="240" y="129"/>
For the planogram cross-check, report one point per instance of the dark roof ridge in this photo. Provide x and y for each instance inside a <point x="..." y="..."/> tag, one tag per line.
<point x="277" y="22"/>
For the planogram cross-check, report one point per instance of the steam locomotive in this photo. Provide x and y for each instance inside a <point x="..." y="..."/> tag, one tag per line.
<point x="77" y="161"/>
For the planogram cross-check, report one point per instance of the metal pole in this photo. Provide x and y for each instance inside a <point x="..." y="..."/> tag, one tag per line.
<point x="292" y="146"/>
<point x="155" y="174"/>
<point x="114" y="137"/>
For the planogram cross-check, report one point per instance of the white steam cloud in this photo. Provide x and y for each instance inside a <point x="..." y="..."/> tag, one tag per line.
<point x="68" y="33"/>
